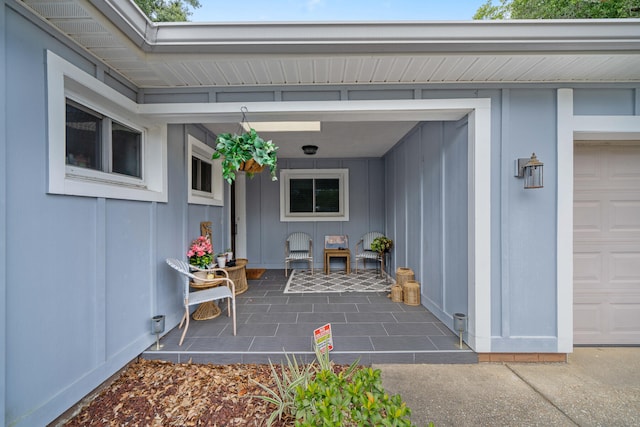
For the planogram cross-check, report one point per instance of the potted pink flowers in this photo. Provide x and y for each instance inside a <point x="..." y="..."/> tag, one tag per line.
<point x="200" y="252"/>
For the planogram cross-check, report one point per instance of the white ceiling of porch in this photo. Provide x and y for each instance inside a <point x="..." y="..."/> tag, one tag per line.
<point x="221" y="56"/>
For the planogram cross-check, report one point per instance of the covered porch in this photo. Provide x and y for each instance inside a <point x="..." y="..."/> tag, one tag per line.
<point x="368" y="326"/>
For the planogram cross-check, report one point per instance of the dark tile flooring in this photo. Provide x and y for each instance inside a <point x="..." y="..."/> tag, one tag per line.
<point x="270" y="324"/>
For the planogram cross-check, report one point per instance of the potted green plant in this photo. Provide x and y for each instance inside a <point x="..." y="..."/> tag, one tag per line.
<point x="381" y="244"/>
<point x="246" y="152"/>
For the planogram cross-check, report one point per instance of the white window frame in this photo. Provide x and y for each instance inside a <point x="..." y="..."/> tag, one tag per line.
<point x="286" y="175"/>
<point x="202" y="151"/>
<point x="66" y="81"/>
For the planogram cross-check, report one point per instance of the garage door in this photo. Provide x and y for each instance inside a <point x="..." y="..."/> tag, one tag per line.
<point x="607" y="243"/>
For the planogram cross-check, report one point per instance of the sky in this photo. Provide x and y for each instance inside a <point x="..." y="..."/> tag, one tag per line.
<point x="335" y="10"/>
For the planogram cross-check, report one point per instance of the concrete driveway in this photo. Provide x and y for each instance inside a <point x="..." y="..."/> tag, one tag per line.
<point x="596" y="387"/>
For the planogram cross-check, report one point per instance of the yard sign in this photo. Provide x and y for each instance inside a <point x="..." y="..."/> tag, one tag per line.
<point x="322" y="337"/>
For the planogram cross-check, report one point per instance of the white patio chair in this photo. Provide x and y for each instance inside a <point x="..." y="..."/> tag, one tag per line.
<point x="298" y="247"/>
<point x="364" y="252"/>
<point x="225" y="289"/>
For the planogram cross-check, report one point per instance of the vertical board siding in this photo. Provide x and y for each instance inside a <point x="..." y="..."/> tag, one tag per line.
<point x="430" y="213"/>
<point x="604" y="102"/>
<point x="455" y="224"/>
<point x="84" y="275"/>
<point x="432" y="236"/>
<point x="267" y="234"/>
<point x="531" y="216"/>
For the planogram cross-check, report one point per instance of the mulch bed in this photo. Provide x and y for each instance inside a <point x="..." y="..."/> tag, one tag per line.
<point x="156" y="393"/>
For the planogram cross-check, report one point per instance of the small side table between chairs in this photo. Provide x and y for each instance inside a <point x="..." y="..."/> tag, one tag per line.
<point x="337" y="253"/>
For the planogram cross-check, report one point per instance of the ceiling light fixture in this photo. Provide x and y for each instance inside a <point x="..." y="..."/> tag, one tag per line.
<point x="282" y="126"/>
<point x="310" y="150"/>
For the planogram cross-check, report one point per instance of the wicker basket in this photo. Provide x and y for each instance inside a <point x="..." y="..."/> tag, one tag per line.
<point x="251" y="166"/>
<point x="403" y="275"/>
<point x="411" y="293"/>
<point x="396" y="293"/>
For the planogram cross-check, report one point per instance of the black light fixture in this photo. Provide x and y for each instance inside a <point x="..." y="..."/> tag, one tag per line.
<point x="310" y="150"/>
<point x="531" y="170"/>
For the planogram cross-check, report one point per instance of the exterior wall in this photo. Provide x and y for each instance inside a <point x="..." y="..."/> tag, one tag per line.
<point x="427" y="187"/>
<point x="528" y="256"/>
<point x="266" y="234"/>
<point x="83" y="275"/>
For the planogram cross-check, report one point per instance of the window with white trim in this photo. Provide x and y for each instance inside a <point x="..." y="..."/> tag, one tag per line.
<point x="314" y="195"/>
<point x="99" y="145"/>
<point x="205" y="175"/>
<point x="96" y="142"/>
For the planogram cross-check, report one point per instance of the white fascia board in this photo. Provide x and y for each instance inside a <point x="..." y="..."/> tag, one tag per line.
<point x="395" y="37"/>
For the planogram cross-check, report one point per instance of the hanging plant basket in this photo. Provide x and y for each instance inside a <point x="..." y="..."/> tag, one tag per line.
<point x="247" y="152"/>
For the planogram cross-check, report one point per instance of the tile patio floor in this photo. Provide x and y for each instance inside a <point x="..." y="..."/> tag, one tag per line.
<point x="368" y="326"/>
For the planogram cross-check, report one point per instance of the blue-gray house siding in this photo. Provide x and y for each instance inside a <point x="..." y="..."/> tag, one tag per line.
<point x="82" y="276"/>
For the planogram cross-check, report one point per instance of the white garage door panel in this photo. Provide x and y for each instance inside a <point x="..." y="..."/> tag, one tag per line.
<point x="587" y="269"/>
<point x="625" y="216"/>
<point x="605" y="318"/>
<point x="624" y="271"/>
<point x="607" y="244"/>
<point x="587" y="216"/>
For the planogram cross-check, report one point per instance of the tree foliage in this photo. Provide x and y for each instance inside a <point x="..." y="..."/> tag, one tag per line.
<point x="559" y="9"/>
<point x="167" y="10"/>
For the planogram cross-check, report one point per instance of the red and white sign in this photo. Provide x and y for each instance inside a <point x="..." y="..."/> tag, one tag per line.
<point x="322" y="337"/>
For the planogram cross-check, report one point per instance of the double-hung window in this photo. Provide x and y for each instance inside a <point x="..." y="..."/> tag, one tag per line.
<point x="314" y="195"/>
<point x="205" y="175"/>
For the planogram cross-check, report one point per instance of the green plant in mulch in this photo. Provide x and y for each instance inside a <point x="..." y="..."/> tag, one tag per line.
<point x="320" y="396"/>
<point x="292" y="375"/>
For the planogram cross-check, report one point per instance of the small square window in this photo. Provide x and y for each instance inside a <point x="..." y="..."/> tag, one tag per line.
<point x="205" y="175"/>
<point x="314" y="195"/>
<point x="201" y="175"/>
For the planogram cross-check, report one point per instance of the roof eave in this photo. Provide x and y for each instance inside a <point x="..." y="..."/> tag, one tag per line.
<point x="543" y="36"/>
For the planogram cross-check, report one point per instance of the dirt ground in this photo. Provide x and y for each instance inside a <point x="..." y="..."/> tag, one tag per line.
<point x="155" y="393"/>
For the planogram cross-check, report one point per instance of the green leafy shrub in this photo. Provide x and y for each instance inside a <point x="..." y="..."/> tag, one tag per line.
<point x="320" y="395"/>
<point x="336" y="399"/>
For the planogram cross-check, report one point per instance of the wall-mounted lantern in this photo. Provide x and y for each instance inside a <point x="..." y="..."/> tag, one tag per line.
<point x="531" y="170"/>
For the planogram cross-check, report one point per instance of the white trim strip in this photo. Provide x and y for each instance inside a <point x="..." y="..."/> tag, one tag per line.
<point x="564" y="221"/>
